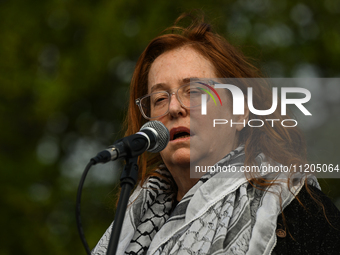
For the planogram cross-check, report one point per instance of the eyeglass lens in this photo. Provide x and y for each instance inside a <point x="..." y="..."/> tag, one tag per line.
<point x="157" y="103"/>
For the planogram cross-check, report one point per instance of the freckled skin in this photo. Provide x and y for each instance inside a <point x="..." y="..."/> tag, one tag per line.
<point x="208" y="144"/>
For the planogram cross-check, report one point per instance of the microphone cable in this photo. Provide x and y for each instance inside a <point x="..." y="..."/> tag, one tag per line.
<point x="78" y="201"/>
<point x="153" y="132"/>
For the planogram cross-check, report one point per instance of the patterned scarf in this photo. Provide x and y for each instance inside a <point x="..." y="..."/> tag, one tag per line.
<point x="221" y="214"/>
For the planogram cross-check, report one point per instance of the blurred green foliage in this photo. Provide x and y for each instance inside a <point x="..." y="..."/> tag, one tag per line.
<point x="64" y="74"/>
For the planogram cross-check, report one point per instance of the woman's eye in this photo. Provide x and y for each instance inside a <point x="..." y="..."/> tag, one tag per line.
<point x="190" y="91"/>
<point x="159" y="100"/>
<point x="193" y="91"/>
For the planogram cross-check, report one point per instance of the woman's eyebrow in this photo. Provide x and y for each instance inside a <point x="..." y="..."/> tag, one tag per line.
<point x="158" y="86"/>
<point x="190" y="79"/>
<point x="163" y="86"/>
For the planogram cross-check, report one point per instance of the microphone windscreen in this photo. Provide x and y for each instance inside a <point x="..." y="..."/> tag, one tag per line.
<point x="162" y="135"/>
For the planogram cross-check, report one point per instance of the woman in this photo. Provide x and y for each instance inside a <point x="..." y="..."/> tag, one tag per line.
<point x="216" y="212"/>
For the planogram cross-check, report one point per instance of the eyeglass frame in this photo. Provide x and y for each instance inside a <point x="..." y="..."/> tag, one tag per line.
<point x="138" y="102"/>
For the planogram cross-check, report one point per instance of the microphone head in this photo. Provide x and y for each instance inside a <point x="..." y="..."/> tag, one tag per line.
<point x="161" y="133"/>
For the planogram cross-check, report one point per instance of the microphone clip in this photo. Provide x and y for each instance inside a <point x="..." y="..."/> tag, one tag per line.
<point x="127" y="147"/>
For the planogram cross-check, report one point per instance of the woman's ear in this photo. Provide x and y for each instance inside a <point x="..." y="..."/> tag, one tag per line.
<point x="243" y="118"/>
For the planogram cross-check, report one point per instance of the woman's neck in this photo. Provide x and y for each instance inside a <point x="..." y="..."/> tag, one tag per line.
<point x="183" y="181"/>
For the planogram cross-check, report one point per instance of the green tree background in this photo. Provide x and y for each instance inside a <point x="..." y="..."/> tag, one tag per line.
<point x="64" y="74"/>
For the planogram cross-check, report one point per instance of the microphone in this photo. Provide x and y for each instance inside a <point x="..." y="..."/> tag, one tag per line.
<point x="153" y="137"/>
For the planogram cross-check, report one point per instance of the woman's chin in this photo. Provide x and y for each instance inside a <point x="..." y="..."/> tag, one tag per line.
<point x="180" y="158"/>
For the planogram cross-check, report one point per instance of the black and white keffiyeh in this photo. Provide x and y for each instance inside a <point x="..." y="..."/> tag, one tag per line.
<point x="219" y="215"/>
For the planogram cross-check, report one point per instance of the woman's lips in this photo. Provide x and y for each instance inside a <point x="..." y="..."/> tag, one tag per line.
<point x="178" y="130"/>
<point x="181" y="139"/>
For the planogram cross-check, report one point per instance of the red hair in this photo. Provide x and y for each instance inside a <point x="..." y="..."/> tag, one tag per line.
<point x="283" y="145"/>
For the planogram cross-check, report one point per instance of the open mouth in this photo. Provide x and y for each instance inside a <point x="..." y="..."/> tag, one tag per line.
<point x="178" y="133"/>
<point x="181" y="135"/>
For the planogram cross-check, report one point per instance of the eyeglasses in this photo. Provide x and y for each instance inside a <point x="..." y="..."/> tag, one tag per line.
<point x="156" y="105"/>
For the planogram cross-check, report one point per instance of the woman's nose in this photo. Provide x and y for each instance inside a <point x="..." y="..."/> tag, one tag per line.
<point x="175" y="108"/>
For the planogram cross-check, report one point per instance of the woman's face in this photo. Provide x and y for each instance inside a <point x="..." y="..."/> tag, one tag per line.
<point x="206" y="144"/>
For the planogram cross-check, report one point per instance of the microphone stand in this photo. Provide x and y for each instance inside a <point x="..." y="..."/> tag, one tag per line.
<point x="128" y="180"/>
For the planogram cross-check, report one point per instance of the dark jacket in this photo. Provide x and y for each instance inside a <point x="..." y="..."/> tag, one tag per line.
<point x="307" y="230"/>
